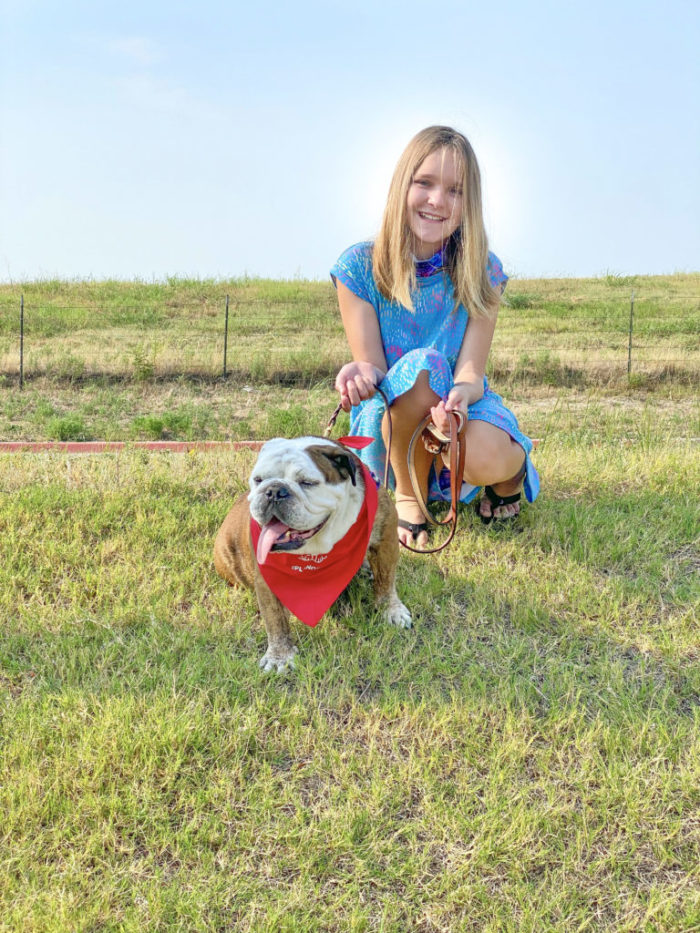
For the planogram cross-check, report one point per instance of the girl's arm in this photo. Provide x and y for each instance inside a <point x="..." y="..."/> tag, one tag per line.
<point x="471" y="364"/>
<point x="357" y="381"/>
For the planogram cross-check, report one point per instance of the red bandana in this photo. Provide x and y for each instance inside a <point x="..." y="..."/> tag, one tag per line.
<point x="308" y="584"/>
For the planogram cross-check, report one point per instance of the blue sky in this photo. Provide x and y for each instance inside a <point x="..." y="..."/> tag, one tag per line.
<point x="149" y="139"/>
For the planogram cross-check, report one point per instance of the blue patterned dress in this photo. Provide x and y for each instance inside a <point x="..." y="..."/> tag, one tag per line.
<point x="430" y="338"/>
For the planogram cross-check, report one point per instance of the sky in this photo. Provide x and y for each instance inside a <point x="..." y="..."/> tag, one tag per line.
<point x="149" y="139"/>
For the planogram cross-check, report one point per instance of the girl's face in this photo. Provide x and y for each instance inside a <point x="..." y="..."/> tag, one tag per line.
<point x="434" y="202"/>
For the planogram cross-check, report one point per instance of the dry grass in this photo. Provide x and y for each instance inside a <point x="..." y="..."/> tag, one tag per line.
<point x="571" y="332"/>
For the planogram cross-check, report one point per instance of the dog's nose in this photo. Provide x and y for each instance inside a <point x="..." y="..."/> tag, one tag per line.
<point x="277" y="491"/>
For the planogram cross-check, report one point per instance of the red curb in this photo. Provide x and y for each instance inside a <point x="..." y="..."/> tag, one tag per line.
<point x="99" y="447"/>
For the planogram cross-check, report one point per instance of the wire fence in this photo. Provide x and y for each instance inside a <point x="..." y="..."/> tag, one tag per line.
<point x="258" y="337"/>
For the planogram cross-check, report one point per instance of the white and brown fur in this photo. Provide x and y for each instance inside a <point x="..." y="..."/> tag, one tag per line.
<point x="322" y="479"/>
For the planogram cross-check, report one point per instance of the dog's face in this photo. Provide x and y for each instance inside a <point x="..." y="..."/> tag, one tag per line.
<point x="305" y="494"/>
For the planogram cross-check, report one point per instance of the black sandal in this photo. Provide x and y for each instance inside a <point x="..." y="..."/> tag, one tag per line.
<point x="496" y="501"/>
<point x="414" y="527"/>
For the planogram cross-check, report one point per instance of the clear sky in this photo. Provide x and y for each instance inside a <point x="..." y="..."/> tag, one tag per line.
<point x="144" y="138"/>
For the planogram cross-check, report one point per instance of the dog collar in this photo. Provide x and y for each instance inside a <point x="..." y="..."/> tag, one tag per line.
<point x="308" y="584"/>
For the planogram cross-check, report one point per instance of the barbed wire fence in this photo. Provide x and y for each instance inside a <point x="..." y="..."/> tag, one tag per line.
<point x="608" y="354"/>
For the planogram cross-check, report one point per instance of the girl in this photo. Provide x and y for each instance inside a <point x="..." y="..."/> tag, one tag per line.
<point x="419" y="308"/>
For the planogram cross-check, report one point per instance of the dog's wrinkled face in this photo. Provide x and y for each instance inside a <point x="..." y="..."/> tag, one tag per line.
<point x="305" y="494"/>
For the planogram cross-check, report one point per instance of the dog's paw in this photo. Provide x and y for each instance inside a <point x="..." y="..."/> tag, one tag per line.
<point x="278" y="661"/>
<point x="397" y="614"/>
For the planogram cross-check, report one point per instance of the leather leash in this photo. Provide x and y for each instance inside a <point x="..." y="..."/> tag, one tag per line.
<point x="435" y="442"/>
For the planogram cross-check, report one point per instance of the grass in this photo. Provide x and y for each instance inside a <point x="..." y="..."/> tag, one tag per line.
<point x="138" y="361"/>
<point x="137" y="331"/>
<point x="525" y="759"/>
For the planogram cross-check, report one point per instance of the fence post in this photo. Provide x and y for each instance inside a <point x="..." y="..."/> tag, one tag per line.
<point x="21" y="342"/>
<point x="629" y="344"/>
<point x="226" y="336"/>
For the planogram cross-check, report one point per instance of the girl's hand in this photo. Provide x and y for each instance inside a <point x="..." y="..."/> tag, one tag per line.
<point x="458" y="399"/>
<point x="356" y="382"/>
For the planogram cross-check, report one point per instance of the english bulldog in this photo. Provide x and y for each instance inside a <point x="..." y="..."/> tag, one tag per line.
<point x="311" y="517"/>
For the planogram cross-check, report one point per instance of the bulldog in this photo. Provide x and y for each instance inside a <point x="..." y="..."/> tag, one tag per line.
<point x="311" y="517"/>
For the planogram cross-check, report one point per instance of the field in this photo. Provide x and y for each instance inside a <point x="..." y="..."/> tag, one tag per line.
<point x="145" y="361"/>
<point x="527" y="758"/>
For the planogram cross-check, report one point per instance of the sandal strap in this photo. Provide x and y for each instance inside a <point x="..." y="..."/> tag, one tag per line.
<point x="497" y="500"/>
<point x="414" y="527"/>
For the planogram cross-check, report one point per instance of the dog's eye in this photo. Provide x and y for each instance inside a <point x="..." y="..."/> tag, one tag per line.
<point x="308" y="482"/>
<point x="257" y="479"/>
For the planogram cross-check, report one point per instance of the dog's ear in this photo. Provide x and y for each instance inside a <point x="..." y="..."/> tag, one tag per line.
<point x="343" y="463"/>
<point x="334" y="462"/>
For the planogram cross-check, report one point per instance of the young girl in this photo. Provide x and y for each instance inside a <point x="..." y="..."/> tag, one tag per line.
<point x="419" y="308"/>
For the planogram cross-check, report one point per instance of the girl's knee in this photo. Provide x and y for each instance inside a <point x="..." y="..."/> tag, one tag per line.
<point x="479" y="467"/>
<point x="493" y="458"/>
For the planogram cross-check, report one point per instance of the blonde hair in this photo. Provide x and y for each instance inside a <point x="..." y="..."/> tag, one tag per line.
<point x="467" y="254"/>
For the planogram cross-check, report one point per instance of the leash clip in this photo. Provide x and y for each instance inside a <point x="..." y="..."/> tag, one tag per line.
<point x="332" y="420"/>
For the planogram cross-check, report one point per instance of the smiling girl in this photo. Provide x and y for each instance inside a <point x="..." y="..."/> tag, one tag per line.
<point x="419" y="307"/>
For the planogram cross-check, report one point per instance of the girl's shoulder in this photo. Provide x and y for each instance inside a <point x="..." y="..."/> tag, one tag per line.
<point x="354" y="269"/>
<point x="359" y="254"/>
<point x="497" y="276"/>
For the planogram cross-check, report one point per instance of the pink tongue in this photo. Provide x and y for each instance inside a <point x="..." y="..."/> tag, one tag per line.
<point x="268" y="535"/>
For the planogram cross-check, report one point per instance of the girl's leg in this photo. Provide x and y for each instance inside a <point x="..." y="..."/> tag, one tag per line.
<point x="407" y="411"/>
<point x="494" y="459"/>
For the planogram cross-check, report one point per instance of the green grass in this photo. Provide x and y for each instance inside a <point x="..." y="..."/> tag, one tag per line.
<point x="525" y="759"/>
<point x="179" y="411"/>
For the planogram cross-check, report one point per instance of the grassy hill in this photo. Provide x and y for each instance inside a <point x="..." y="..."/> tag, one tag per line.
<point x="116" y="360"/>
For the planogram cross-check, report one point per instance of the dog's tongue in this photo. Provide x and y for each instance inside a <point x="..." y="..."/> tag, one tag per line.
<point x="268" y="535"/>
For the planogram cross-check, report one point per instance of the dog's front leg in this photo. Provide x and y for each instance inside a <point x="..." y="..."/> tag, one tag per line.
<point x="280" y="648"/>
<point x="382" y="559"/>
